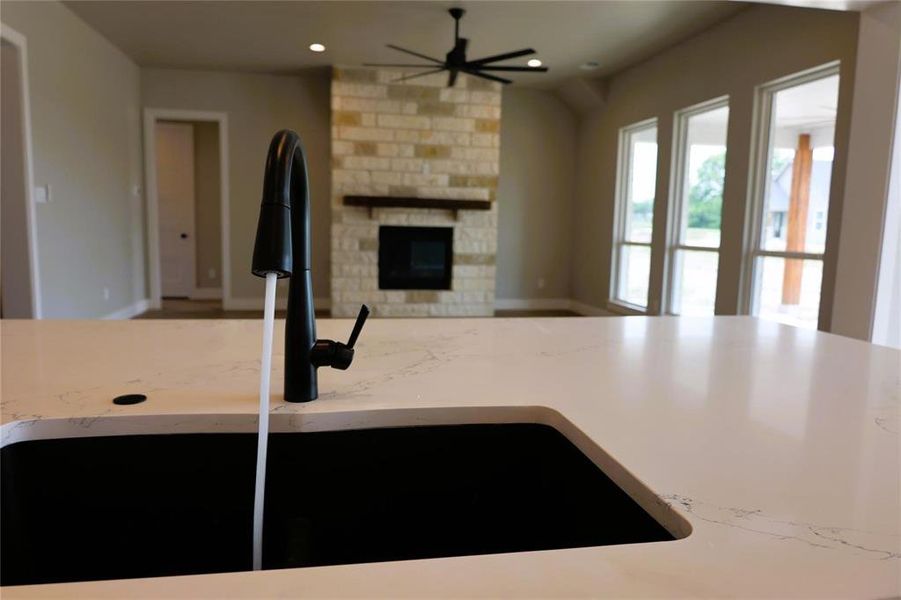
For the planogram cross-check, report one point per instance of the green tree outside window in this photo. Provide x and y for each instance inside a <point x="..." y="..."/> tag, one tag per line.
<point x="705" y="198"/>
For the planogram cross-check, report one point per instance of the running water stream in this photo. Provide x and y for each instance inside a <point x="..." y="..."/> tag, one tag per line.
<point x="263" y="429"/>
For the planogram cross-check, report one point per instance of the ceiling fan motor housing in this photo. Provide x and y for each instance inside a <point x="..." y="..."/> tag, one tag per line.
<point x="455" y="61"/>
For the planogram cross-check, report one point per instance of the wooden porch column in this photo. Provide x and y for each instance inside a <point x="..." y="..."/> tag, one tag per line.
<point x="796" y="229"/>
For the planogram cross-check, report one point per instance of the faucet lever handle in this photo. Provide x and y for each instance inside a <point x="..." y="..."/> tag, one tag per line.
<point x="358" y="326"/>
<point x="329" y="353"/>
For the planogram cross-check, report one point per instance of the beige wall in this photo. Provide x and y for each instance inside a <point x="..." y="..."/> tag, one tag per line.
<point x="207" y="221"/>
<point x="15" y="300"/>
<point x="257" y="107"/>
<point x="887" y="320"/>
<point x="535" y="196"/>
<point x="876" y="95"/>
<point x="757" y="45"/>
<point x="85" y="119"/>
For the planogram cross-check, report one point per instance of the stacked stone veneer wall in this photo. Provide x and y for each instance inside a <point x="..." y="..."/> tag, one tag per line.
<point x="420" y="139"/>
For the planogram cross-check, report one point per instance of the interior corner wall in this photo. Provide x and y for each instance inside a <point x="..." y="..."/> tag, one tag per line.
<point x="86" y="140"/>
<point x="535" y="196"/>
<point x="876" y="96"/>
<point x="757" y="45"/>
<point x="886" y="329"/>
<point x="257" y="106"/>
<point x="14" y="239"/>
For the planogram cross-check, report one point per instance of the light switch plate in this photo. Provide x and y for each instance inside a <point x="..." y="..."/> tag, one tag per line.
<point x="42" y="194"/>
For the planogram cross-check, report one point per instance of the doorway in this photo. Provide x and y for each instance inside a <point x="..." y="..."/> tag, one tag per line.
<point x="19" y="288"/>
<point x="187" y="204"/>
<point x="177" y="203"/>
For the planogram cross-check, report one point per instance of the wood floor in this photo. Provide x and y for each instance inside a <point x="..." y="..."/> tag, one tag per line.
<point x="212" y="309"/>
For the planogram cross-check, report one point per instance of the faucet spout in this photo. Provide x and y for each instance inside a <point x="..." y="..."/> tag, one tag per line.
<point x="283" y="231"/>
<point x="283" y="247"/>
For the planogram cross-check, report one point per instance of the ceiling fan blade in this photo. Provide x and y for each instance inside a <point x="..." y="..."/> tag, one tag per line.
<point x="415" y="75"/>
<point x="423" y="56"/>
<point x="475" y="73"/>
<point x="489" y="68"/>
<point x="398" y="65"/>
<point x="499" y="57"/>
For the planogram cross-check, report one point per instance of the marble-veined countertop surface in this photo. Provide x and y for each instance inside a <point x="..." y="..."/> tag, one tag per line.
<point x="778" y="446"/>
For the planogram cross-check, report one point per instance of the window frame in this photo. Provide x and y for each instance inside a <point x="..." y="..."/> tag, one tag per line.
<point x="677" y="196"/>
<point x="622" y="189"/>
<point x="763" y="126"/>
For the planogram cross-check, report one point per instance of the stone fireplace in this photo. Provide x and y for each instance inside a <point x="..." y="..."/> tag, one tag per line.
<point x="414" y="178"/>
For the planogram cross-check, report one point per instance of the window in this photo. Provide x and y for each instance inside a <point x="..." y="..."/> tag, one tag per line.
<point x="636" y="184"/>
<point x="792" y="197"/>
<point x="699" y="172"/>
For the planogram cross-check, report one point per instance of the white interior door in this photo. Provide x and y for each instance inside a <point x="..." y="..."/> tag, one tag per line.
<point x="175" y="190"/>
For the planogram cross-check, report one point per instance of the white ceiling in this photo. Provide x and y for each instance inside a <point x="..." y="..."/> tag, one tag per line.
<point x="810" y="104"/>
<point x="274" y="37"/>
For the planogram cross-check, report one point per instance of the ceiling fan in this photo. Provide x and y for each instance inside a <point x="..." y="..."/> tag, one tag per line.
<point x="455" y="62"/>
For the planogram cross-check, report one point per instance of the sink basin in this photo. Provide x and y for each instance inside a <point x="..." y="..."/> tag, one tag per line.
<point x="118" y="507"/>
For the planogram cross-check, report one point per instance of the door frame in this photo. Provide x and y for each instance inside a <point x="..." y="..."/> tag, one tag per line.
<point x="151" y="116"/>
<point x="31" y="231"/>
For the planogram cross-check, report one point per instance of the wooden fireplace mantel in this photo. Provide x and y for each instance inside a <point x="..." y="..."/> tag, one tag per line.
<point x="373" y="202"/>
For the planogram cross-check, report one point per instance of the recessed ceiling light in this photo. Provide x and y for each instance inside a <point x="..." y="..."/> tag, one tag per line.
<point x="534" y="63"/>
<point x="589" y="66"/>
<point x="317" y="47"/>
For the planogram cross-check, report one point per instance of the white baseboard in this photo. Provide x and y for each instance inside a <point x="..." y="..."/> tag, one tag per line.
<point x="281" y="303"/>
<point x="206" y="293"/>
<point x="550" y="304"/>
<point x="130" y="311"/>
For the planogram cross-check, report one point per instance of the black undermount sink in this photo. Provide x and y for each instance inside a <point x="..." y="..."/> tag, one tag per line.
<point x="155" y="505"/>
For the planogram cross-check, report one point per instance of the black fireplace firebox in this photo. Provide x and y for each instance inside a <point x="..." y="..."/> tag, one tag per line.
<point x="415" y="258"/>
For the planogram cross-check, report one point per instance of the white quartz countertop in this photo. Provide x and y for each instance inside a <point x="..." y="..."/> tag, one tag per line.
<point x="779" y="446"/>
